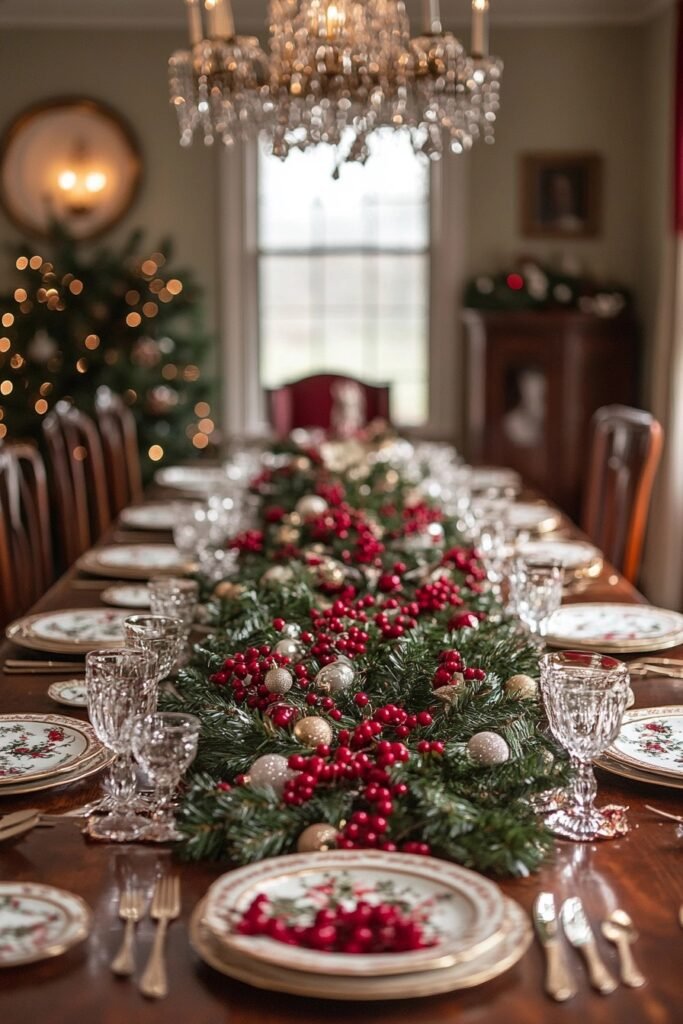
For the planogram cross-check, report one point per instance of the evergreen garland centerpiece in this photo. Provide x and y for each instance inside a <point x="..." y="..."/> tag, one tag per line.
<point x="123" y="317"/>
<point x="362" y="689"/>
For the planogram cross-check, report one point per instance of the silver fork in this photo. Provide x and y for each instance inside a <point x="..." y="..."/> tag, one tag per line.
<point x="131" y="909"/>
<point x="165" y="908"/>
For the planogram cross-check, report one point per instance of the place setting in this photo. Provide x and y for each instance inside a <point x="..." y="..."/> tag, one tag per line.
<point x="648" y="748"/>
<point x="137" y="561"/>
<point x="40" y="752"/>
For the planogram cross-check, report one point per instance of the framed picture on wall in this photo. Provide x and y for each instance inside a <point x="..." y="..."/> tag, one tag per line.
<point x="561" y="195"/>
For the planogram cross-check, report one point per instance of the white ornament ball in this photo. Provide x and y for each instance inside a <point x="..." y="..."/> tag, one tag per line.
<point x="315" y="838"/>
<point x="311" y="505"/>
<point x="277" y="574"/>
<point x="270" y="770"/>
<point x="278" y="680"/>
<point x="312" y="731"/>
<point x="337" y="677"/>
<point x="289" y="648"/>
<point x="292" y="631"/>
<point x="521" y="686"/>
<point x="488" y="748"/>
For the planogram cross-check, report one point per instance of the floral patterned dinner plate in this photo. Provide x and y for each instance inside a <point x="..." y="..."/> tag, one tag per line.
<point x="615" y="627"/>
<point x="100" y="759"/>
<point x="129" y="595"/>
<point x="460" y="911"/>
<point x="158" y="516"/>
<point x="651" y="739"/>
<point x="39" y="921"/>
<point x="69" y="691"/>
<point x="133" y="561"/>
<point x="37" y="746"/>
<point x="76" y="631"/>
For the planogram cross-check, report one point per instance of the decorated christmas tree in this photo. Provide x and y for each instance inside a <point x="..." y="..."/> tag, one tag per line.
<point x="77" y="319"/>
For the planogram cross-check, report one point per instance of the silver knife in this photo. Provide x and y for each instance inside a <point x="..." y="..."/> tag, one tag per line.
<point x="580" y="934"/>
<point x="558" y="981"/>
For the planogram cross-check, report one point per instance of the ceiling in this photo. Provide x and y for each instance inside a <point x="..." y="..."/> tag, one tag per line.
<point x="250" y="14"/>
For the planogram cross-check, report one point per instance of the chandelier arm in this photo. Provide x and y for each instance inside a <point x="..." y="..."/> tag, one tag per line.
<point x="194" y="21"/>
<point x="480" y="28"/>
<point x="221" y="19"/>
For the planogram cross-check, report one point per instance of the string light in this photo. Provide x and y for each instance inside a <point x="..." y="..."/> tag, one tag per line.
<point x="156" y="453"/>
<point x="36" y="262"/>
<point x="174" y="286"/>
<point x="17" y="361"/>
<point x="133" y="319"/>
<point x="158" y="258"/>
<point x="45" y="388"/>
<point x="76" y="287"/>
<point x="150" y="309"/>
<point x="5" y="344"/>
<point x="200" y="441"/>
<point x="20" y="295"/>
<point x="22" y="263"/>
<point x="92" y="342"/>
<point x="82" y="365"/>
<point x="80" y="453"/>
<point x="132" y="297"/>
<point x="149" y="268"/>
<point x="207" y="426"/>
<point x="7" y="319"/>
<point x="6" y="387"/>
<point x="130" y="396"/>
<point x="191" y="372"/>
<point x="41" y="406"/>
<point x="169" y="371"/>
<point x="202" y="409"/>
<point x="3" y="430"/>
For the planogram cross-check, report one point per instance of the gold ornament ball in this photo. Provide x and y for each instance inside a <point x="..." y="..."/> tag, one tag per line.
<point x="300" y="463"/>
<point x="225" y="590"/>
<point x="278" y="680"/>
<point x="277" y="574"/>
<point x="310" y="506"/>
<point x="316" y="838"/>
<point x="521" y="686"/>
<point x="312" y="731"/>
<point x="331" y="573"/>
<point x="287" y="534"/>
<point x="488" y="748"/>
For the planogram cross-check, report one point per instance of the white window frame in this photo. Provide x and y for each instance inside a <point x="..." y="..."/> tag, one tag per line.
<point x="243" y="405"/>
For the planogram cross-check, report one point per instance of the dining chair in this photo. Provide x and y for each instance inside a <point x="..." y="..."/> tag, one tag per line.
<point x="331" y="401"/>
<point x="625" y="450"/>
<point x="26" y="566"/>
<point x="119" y="436"/>
<point x="78" y="479"/>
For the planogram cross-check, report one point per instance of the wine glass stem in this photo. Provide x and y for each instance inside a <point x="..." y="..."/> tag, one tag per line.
<point x="585" y="787"/>
<point x="121" y="782"/>
<point x="163" y="813"/>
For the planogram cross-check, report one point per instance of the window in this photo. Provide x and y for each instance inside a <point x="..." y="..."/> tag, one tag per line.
<point x="343" y="270"/>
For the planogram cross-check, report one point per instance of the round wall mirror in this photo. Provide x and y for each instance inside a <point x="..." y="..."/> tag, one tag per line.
<point x="74" y="162"/>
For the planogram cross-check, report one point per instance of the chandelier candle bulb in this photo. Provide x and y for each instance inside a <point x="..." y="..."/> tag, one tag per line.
<point x="480" y="28"/>
<point x="194" y="20"/>
<point x="221" y="21"/>
<point x="433" y="24"/>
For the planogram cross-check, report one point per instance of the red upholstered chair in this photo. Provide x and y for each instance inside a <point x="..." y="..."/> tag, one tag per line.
<point x="625" y="452"/>
<point x="310" y="402"/>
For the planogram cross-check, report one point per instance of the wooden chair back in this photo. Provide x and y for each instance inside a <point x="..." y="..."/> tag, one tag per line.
<point x="26" y="563"/>
<point x="78" y="478"/>
<point x="625" y="451"/>
<point x="310" y="402"/>
<point x="119" y="435"/>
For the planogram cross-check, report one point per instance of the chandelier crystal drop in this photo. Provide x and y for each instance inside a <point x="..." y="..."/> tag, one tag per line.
<point x="337" y="71"/>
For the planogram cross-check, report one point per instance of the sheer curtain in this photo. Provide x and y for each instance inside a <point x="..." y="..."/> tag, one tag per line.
<point x="664" y="562"/>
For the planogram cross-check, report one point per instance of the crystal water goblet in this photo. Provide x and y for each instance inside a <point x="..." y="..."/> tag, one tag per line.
<point x="165" y="745"/>
<point x="535" y="593"/>
<point x="177" y="598"/>
<point x="121" y="685"/>
<point x="585" y="697"/>
<point x="491" y="544"/>
<point x="161" y="635"/>
<point x="192" y="525"/>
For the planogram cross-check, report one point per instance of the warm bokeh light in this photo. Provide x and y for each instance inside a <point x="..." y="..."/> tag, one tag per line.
<point x="170" y="371"/>
<point x="6" y="387"/>
<point x="200" y="440"/>
<point x="80" y="453"/>
<point x="82" y="365"/>
<point x="174" y="286"/>
<point x="149" y="268"/>
<point x="67" y="180"/>
<point x="3" y="430"/>
<point x="150" y="309"/>
<point x="17" y="361"/>
<point x="207" y="426"/>
<point x="7" y="319"/>
<point x="132" y="297"/>
<point x="36" y="262"/>
<point x="202" y="409"/>
<point x="22" y="263"/>
<point x="133" y="319"/>
<point x="20" y="295"/>
<point x="5" y="344"/>
<point x="156" y="453"/>
<point x="41" y="407"/>
<point x="76" y="287"/>
<point x="45" y="388"/>
<point x="191" y="372"/>
<point x="95" y="181"/>
<point x="92" y="342"/>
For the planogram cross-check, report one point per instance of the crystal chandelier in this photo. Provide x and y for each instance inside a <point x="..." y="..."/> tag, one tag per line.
<point x="337" y="71"/>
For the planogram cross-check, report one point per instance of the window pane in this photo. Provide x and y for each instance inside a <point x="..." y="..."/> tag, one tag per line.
<point x="344" y="270"/>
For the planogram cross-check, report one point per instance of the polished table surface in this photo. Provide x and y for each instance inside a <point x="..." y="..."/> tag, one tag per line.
<point x="641" y="872"/>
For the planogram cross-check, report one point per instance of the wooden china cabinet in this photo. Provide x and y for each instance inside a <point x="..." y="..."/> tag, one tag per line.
<point x="532" y="382"/>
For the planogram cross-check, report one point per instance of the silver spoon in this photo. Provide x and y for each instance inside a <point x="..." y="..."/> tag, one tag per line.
<point x="619" y="929"/>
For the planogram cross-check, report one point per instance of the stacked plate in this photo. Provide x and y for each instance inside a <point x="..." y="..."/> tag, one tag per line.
<point x="494" y="478"/>
<point x="649" y="747"/>
<point x="522" y="516"/>
<point x="42" y="751"/>
<point x="135" y="561"/>
<point x="578" y="558"/>
<point x="477" y="933"/>
<point x="192" y="479"/>
<point x="159" y="516"/>
<point x="76" y="631"/>
<point x="39" y="921"/>
<point x="615" y="628"/>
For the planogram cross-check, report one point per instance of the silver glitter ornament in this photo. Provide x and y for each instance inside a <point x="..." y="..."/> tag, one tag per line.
<point x="278" y="680"/>
<point x="488" y="748"/>
<point x="289" y="648"/>
<point x="337" y="677"/>
<point x="270" y="770"/>
<point x="310" y="506"/>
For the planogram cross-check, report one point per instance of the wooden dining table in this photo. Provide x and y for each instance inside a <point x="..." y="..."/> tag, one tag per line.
<point x="641" y="872"/>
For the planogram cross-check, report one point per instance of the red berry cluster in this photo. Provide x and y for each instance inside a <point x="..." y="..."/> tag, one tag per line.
<point x="245" y="672"/>
<point x="359" y="545"/>
<point x="250" y="541"/>
<point x="416" y="519"/>
<point x="336" y="632"/>
<point x="333" y="493"/>
<point x="465" y="561"/>
<point x="437" y="595"/>
<point x="360" y="928"/>
<point x="451" y="670"/>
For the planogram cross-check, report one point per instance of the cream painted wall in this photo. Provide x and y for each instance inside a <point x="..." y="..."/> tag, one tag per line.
<point x="568" y="88"/>
<point x="128" y="71"/>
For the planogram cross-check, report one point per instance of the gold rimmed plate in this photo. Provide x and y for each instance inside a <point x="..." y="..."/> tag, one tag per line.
<point x="461" y="911"/>
<point x="37" y="746"/>
<point x="71" y="692"/>
<point x="74" y="631"/>
<point x="578" y="558"/>
<point x="38" y="922"/>
<point x="614" y="628"/>
<point x="101" y="759"/>
<point x="651" y="740"/>
<point x="627" y="771"/>
<point x="133" y="561"/>
<point x="515" y="938"/>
